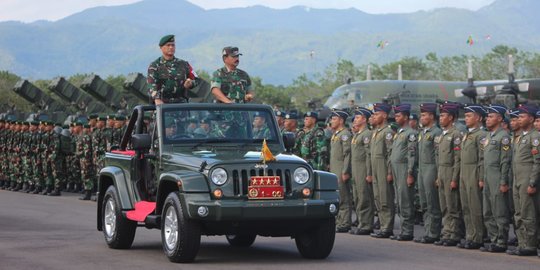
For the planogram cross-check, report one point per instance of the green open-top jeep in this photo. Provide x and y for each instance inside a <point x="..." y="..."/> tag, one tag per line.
<point x="213" y="169"/>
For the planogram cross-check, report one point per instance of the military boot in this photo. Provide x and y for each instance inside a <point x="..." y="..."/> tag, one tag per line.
<point x="47" y="190"/>
<point x="69" y="187"/>
<point x="3" y="185"/>
<point x="31" y="188"/>
<point x="87" y="195"/>
<point x="55" y="192"/>
<point x="17" y="187"/>
<point x="24" y="188"/>
<point x="37" y="190"/>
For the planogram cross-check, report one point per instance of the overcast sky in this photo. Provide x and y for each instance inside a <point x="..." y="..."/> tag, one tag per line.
<point x="32" y="10"/>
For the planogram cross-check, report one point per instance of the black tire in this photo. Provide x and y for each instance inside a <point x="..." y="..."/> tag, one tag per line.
<point x="241" y="240"/>
<point x="119" y="231"/>
<point x="318" y="242"/>
<point x="180" y="237"/>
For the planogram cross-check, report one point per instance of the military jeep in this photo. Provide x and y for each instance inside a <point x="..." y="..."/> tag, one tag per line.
<point x="213" y="169"/>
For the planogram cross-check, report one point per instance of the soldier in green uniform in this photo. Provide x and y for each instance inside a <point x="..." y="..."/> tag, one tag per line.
<point x="260" y="129"/>
<point x="312" y="144"/>
<point x="403" y="166"/>
<point x="427" y="174"/>
<point x="87" y="166"/>
<point x="118" y="130"/>
<point x="382" y="179"/>
<point x="229" y="83"/>
<point x="448" y="161"/>
<point x="39" y="163"/>
<point x="526" y="170"/>
<point x="497" y="163"/>
<point x="99" y="144"/>
<point x="471" y="174"/>
<point x="361" y="167"/>
<point x="169" y="78"/>
<point x="340" y="165"/>
<point x="280" y="119"/>
<point x="14" y="158"/>
<point x="26" y="154"/>
<point x="75" y="161"/>
<point x="290" y="123"/>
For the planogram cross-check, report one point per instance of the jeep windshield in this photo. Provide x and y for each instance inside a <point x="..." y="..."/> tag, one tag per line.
<point x="199" y="126"/>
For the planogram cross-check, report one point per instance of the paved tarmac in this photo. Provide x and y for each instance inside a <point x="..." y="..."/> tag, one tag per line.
<point x="41" y="232"/>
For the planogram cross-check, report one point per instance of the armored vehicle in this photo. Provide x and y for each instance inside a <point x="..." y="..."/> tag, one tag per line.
<point x="232" y="175"/>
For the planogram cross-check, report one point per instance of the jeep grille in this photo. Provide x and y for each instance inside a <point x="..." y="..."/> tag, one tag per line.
<point x="241" y="179"/>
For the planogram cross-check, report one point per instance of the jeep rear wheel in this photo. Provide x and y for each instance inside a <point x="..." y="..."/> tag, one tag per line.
<point x="119" y="231"/>
<point x="318" y="242"/>
<point x="180" y="236"/>
<point x="241" y="240"/>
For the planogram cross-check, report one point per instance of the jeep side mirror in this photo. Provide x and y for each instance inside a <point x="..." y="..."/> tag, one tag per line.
<point x="141" y="142"/>
<point x="289" y="140"/>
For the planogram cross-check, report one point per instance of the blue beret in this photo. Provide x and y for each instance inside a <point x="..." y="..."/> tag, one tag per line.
<point x="497" y="108"/>
<point x="279" y="113"/>
<point x="413" y="116"/>
<point x="475" y="108"/>
<point x="363" y="111"/>
<point x="165" y="39"/>
<point x="311" y="114"/>
<point x="382" y="107"/>
<point x="513" y="113"/>
<point x="403" y="108"/>
<point x="291" y="116"/>
<point x="528" y="108"/>
<point x="428" y="107"/>
<point x="451" y="108"/>
<point x="339" y="113"/>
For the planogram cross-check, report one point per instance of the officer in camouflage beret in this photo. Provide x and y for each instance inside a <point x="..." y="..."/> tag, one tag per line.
<point x="448" y="161"/>
<point x="471" y="174"/>
<point x="403" y="165"/>
<point x="382" y="179"/>
<point x="169" y="78"/>
<point x="340" y="165"/>
<point x="312" y="144"/>
<point x="229" y="83"/>
<point x="361" y="167"/>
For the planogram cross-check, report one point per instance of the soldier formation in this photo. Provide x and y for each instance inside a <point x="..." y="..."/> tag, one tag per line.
<point x="46" y="158"/>
<point x="472" y="183"/>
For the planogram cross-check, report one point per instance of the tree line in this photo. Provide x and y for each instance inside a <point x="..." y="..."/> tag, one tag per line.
<point x="319" y="86"/>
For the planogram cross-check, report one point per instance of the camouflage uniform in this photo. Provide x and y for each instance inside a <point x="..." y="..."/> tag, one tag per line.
<point x="57" y="160"/>
<point x="166" y="80"/>
<point x="312" y="146"/>
<point x="99" y="148"/>
<point x="261" y="133"/>
<point x="234" y="84"/>
<point x="87" y="166"/>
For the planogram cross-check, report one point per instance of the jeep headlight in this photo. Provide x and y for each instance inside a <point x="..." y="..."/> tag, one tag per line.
<point x="301" y="175"/>
<point x="219" y="176"/>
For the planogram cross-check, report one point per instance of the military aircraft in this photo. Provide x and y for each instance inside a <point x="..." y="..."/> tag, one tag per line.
<point x="510" y="92"/>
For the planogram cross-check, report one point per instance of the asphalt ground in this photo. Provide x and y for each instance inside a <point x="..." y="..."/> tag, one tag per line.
<point x="42" y="232"/>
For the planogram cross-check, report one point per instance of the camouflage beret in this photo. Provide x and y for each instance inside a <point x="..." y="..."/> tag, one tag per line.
<point x="165" y="39"/>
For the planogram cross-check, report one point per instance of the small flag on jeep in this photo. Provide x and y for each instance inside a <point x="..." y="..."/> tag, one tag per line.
<point x="266" y="155"/>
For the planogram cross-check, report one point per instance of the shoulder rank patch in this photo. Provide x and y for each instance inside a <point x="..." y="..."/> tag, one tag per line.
<point x="536" y="142"/>
<point x="412" y="138"/>
<point x="366" y="140"/>
<point x="344" y="137"/>
<point x="457" y="140"/>
<point x="389" y="136"/>
<point x="505" y="141"/>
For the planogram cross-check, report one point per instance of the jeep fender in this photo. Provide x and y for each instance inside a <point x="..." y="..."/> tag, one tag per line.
<point x="325" y="181"/>
<point x="120" y="181"/>
<point x="182" y="181"/>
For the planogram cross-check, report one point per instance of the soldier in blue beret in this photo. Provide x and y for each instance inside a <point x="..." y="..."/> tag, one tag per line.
<point x="427" y="174"/>
<point x="448" y="146"/>
<point x="169" y="78"/>
<point x="280" y="118"/>
<point x="472" y="172"/>
<point x="537" y="121"/>
<point x="340" y="165"/>
<point x="381" y="177"/>
<point x="403" y="166"/>
<point x="496" y="180"/>
<point x="290" y="123"/>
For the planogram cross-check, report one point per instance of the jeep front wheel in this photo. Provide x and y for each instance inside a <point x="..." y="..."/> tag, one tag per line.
<point x="241" y="240"/>
<point x="318" y="242"/>
<point x="119" y="231"/>
<point x="180" y="236"/>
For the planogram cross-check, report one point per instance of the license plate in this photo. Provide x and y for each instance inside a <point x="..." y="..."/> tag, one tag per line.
<point x="265" y="188"/>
